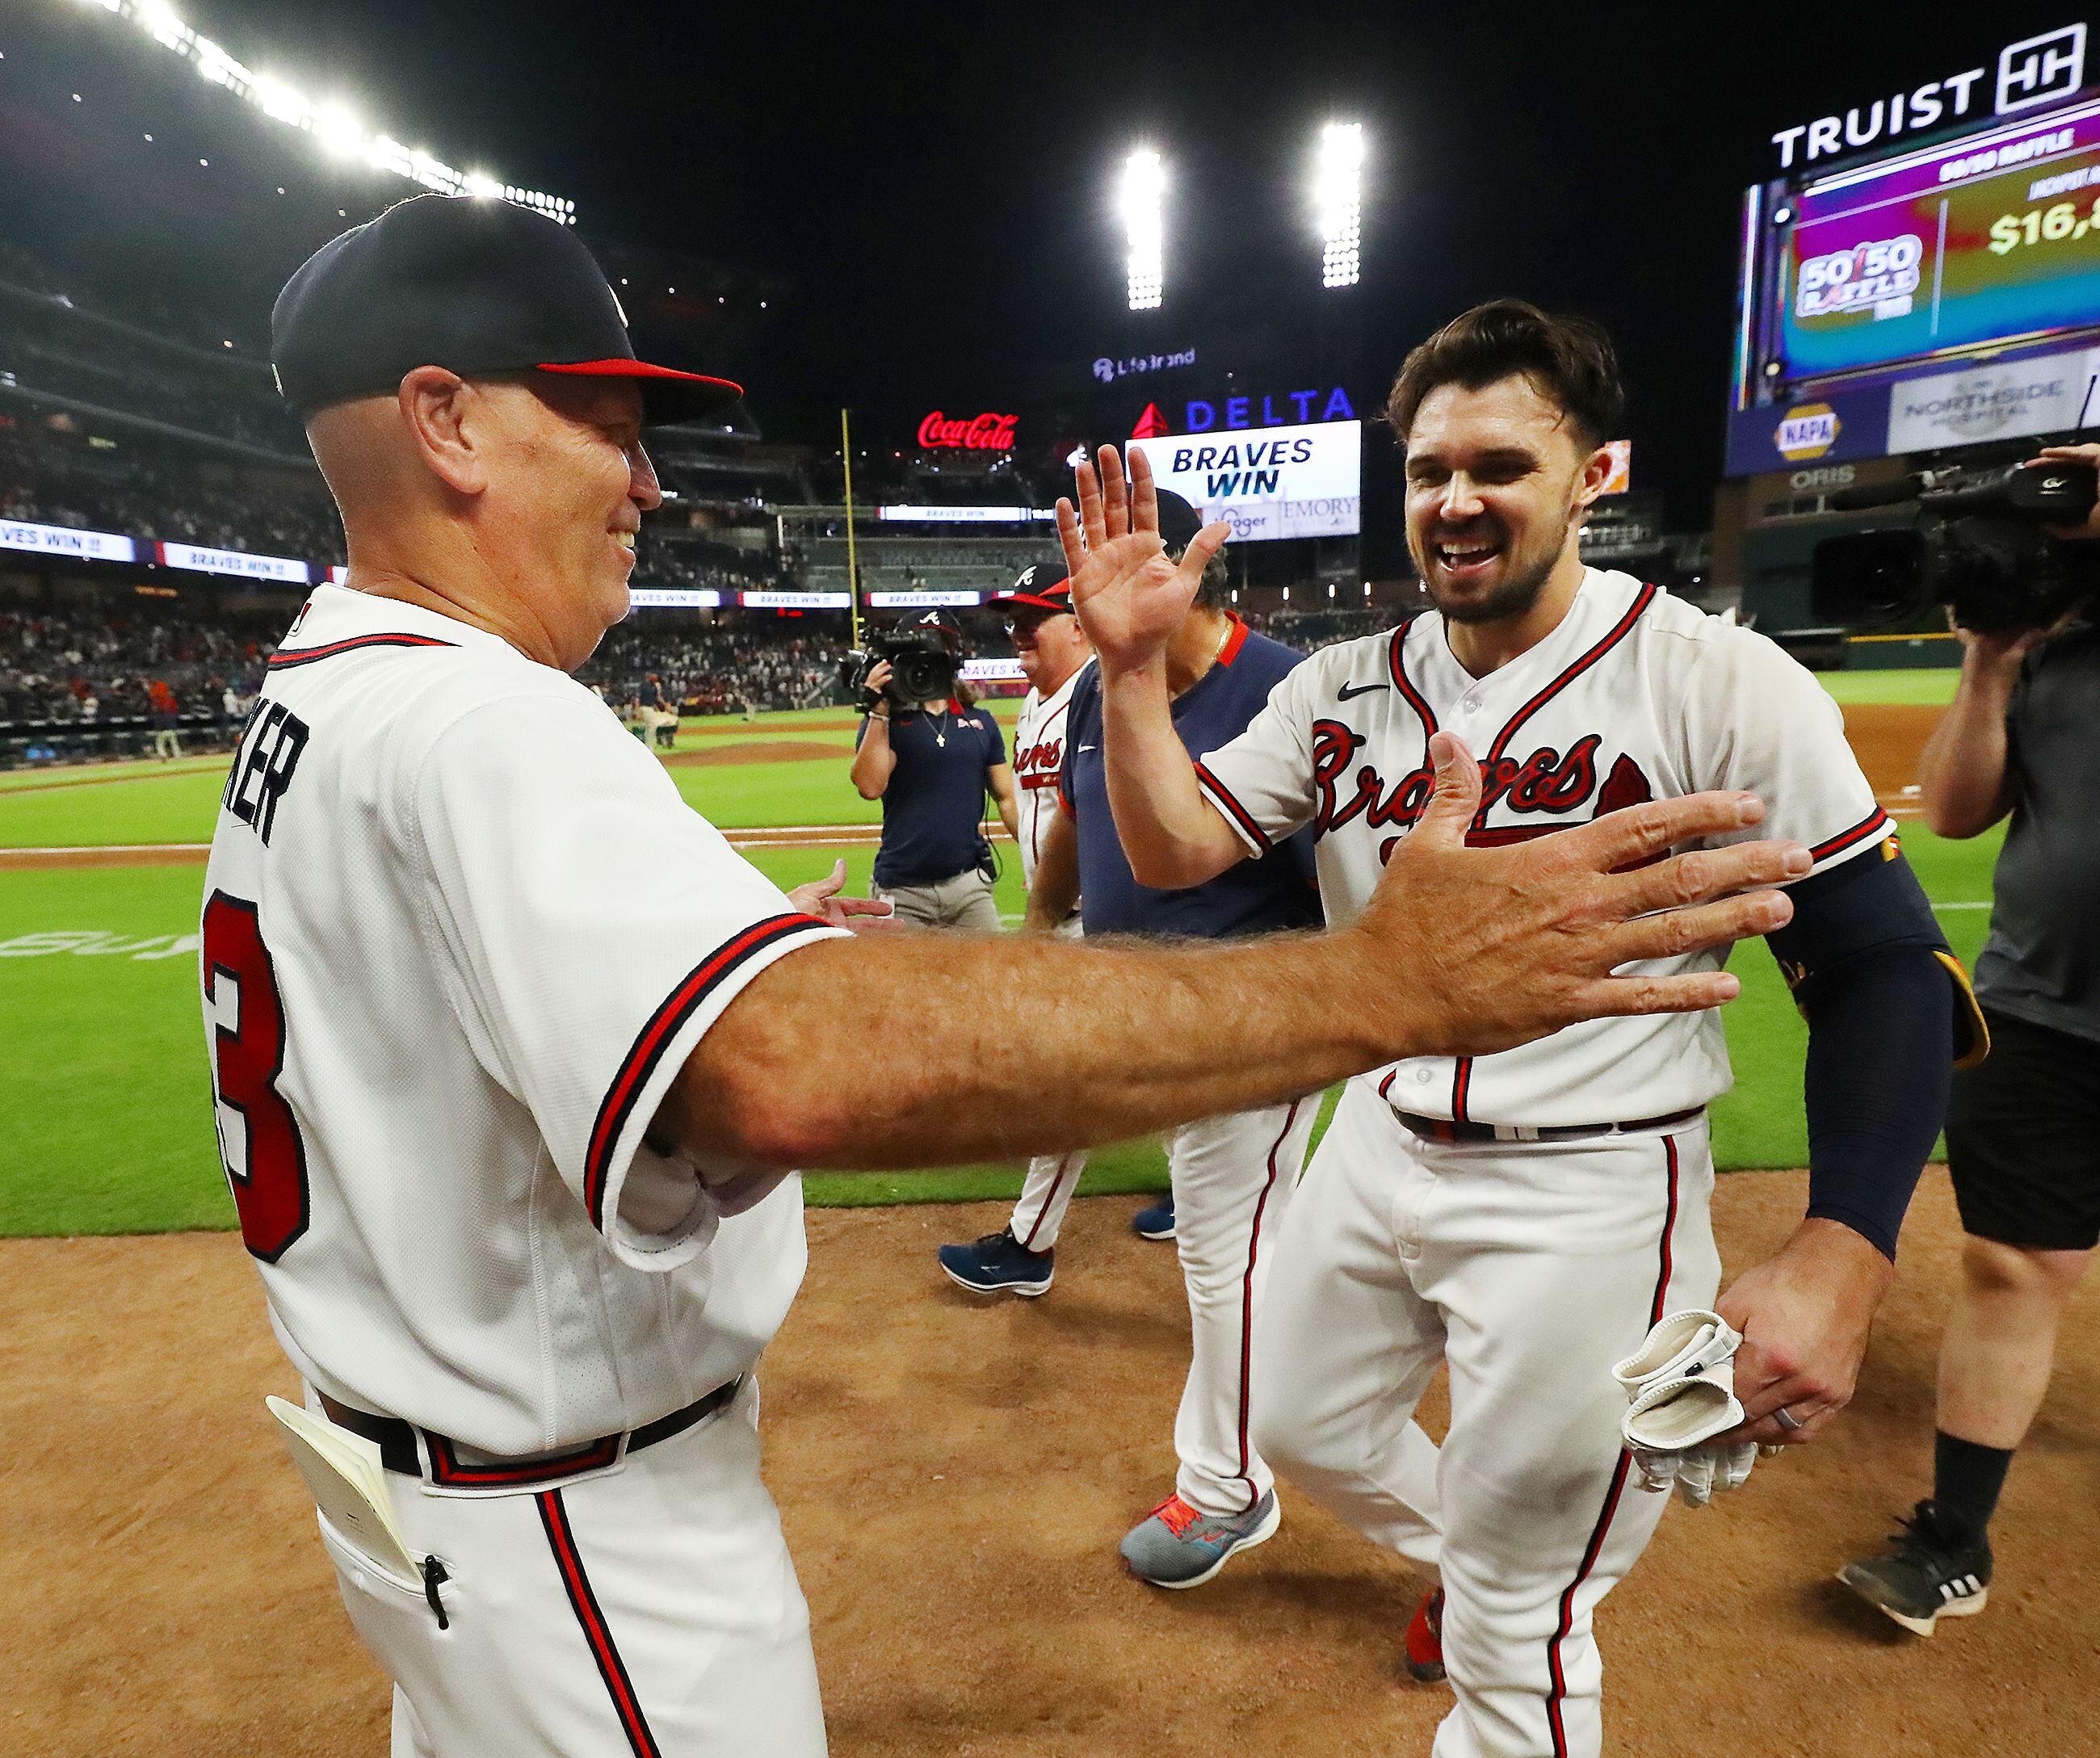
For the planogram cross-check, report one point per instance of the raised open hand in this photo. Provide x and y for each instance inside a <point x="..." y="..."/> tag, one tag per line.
<point x="1129" y="597"/>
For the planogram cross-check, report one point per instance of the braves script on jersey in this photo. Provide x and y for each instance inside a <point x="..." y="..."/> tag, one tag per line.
<point x="460" y="934"/>
<point x="1634" y="696"/>
<point x="1039" y="757"/>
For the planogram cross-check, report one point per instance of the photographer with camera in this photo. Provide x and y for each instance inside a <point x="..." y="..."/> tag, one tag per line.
<point x="2023" y="737"/>
<point x="930" y="757"/>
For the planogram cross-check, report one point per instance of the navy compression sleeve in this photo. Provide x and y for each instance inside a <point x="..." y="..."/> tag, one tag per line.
<point x="1889" y="1015"/>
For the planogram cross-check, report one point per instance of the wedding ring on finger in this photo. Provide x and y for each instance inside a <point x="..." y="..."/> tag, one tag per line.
<point x="1787" y="1419"/>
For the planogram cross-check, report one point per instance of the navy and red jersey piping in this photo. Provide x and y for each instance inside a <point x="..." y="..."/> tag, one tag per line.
<point x="448" y="1469"/>
<point x="308" y="655"/>
<point x="1222" y="796"/>
<point x="1396" y="663"/>
<point x="1557" y="1690"/>
<point x="1246" y="1299"/>
<point x="655" y="1038"/>
<point x="1871" y="826"/>
<point x="1611" y="638"/>
<point x="590" y="1619"/>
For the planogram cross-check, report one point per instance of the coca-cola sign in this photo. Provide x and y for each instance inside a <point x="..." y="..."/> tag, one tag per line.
<point x="983" y="433"/>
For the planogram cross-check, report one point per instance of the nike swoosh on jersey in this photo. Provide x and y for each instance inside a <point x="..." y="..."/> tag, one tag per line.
<point x="1345" y="691"/>
<point x="1089" y="747"/>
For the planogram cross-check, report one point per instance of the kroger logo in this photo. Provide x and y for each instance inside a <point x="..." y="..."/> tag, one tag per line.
<point x="1809" y="430"/>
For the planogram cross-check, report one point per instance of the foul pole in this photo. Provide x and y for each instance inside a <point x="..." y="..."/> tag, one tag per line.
<point x="853" y="561"/>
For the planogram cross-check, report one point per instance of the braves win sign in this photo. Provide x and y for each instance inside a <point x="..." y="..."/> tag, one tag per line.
<point x="1267" y="482"/>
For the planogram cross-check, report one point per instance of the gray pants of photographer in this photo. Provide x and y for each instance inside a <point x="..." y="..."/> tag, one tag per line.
<point x="964" y="901"/>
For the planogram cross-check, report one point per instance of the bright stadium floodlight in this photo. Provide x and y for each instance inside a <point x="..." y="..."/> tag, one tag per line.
<point x="340" y="135"/>
<point x="1144" y="183"/>
<point x="1337" y="188"/>
<point x="338" y="131"/>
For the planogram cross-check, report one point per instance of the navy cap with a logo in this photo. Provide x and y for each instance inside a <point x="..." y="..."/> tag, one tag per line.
<point x="1179" y="522"/>
<point x="475" y="286"/>
<point x="1040" y="586"/>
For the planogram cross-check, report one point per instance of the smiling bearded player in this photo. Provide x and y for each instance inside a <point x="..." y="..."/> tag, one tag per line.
<point x="1527" y="1217"/>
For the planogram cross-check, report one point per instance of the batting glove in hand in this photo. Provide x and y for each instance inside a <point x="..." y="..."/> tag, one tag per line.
<point x="1681" y="1385"/>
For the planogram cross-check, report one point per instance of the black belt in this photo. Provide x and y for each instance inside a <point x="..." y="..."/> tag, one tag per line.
<point x="398" y="1450"/>
<point x="1445" y="1129"/>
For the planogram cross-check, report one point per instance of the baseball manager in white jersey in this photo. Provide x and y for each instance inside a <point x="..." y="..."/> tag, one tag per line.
<point x="1053" y="651"/>
<point x="509" y="1129"/>
<point x="1527" y="1216"/>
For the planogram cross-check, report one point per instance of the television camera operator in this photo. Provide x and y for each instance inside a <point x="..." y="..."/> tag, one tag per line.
<point x="930" y="754"/>
<point x="2023" y="738"/>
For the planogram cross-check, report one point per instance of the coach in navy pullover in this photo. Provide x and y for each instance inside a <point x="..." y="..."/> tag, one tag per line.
<point x="1278" y="891"/>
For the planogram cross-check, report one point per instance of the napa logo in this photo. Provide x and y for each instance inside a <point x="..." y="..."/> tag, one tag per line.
<point x="1809" y="430"/>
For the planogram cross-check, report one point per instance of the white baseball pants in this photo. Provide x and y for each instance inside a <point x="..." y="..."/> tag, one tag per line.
<point x="1046" y="1193"/>
<point x="1232" y="1177"/>
<point x="652" y="1612"/>
<point x="1531" y="1269"/>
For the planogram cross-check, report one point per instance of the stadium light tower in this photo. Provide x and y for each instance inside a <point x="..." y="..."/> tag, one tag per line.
<point x="1144" y="183"/>
<point x="1337" y="188"/>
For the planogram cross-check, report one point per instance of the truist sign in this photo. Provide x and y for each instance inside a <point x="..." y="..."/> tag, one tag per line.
<point x="2035" y="70"/>
<point x="983" y="433"/>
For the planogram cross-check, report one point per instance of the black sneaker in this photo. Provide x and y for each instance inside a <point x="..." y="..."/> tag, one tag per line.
<point x="999" y="1264"/>
<point x="1933" y="1569"/>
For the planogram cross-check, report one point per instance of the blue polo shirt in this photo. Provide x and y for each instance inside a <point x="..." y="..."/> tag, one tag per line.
<point x="933" y="811"/>
<point x="1279" y="891"/>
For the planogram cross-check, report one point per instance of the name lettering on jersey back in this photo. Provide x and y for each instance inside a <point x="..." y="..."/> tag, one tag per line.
<point x="263" y="764"/>
<point x="1549" y="781"/>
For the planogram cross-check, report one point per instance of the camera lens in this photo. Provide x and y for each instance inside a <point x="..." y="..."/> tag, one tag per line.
<point x="1868" y="577"/>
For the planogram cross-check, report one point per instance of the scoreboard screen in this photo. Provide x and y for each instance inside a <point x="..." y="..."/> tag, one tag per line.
<point x="1988" y="241"/>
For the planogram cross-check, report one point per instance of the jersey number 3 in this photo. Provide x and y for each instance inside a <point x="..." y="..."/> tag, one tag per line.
<point x="247" y="1055"/>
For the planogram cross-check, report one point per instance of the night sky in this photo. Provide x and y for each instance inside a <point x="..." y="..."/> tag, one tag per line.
<point x="937" y="183"/>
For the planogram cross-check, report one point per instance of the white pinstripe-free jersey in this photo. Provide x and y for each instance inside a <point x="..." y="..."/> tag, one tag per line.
<point x="1039" y="755"/>
<point x="460" y="934"/>
<point x="1635" y="695"/>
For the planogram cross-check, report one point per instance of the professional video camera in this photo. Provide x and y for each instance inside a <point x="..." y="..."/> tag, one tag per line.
<point x="924" y="652"/>
<point x="1976" y="544"/>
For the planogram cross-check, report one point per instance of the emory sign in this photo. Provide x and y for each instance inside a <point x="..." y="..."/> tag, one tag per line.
<point x="2035" y="70"/>
<point x="983" y="433"/>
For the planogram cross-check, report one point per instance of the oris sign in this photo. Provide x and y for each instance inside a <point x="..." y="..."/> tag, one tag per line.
<point x="982" y="433"/>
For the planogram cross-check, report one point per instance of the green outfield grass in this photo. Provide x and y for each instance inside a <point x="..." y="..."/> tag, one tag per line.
<point x="105" y="1113"/>
<point x="99" y="804"/>
<point x="1930" y="686"/>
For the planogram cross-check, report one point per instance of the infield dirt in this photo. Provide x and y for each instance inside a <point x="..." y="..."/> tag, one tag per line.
<point x="955" y="1477"/>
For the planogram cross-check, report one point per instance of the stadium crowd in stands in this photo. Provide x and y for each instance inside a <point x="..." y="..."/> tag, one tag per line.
<point x="108" y="662"/>
<point x="159" y="494"/>
<point x="99" y="659"/>
<point x="723" y="667"/>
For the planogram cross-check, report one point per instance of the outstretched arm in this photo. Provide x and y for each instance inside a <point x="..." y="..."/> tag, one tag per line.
<point x="1888" y="1010"/>
<point x="1130" y="598"/>
<point x="1460" y="950"/>
<point x="1055" y="892"/>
